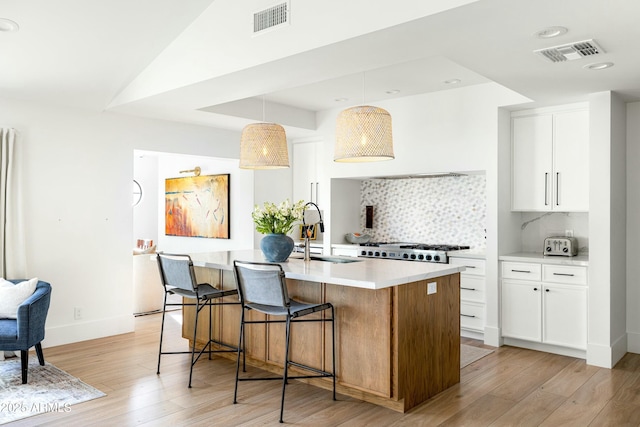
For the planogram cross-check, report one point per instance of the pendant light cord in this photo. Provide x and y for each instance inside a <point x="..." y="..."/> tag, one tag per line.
<point x="363" y="86"/>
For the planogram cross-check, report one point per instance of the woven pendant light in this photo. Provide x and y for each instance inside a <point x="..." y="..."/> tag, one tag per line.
<point x="263" y="145"/>
<point x="363" y="134"/>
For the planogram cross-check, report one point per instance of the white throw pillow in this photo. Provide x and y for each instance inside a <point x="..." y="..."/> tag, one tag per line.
<point x="11" y="296"/>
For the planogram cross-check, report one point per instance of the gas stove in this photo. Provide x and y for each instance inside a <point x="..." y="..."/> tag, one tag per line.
<point x="408" y="251"/>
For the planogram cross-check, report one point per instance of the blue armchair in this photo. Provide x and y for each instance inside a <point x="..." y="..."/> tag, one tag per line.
<point x="28" y="329"/>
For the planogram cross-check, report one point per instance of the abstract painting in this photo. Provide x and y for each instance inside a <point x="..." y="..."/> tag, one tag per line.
<point x="197" y="206"/>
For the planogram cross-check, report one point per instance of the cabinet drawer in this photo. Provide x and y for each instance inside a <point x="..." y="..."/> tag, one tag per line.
<point x="573" y="275"/>
<point x="472" y="316"/>
<point x="521" y="270"/>
<point x="472" y="288"/>
<point x="474" y="266"/>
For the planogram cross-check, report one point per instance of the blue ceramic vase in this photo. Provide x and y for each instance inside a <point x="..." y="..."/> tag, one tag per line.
<point x="276" y="247"/>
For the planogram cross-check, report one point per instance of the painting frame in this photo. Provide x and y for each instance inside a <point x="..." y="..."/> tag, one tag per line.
<point x="198" y="206"/>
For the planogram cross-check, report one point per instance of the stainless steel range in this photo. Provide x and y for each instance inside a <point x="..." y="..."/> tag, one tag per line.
<point x="408" y="251"/>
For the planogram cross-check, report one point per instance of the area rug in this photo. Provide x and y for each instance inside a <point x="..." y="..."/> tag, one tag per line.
<point x="48" y="389"/>
<point x="469" y="354"/>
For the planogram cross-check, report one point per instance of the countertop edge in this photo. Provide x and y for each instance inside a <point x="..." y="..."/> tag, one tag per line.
<point x="580" y="260"/>
<point x="467" y="253"/>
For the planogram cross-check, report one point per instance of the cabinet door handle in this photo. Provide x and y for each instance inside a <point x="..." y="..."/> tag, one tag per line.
<point x="557" y="188"/>
<point x="546" y="188"/>
<point x="521" y="271"/>
<point x="317" y="185"/>
<point x="470" y="266"/>
<point x="311" y="193"/>
<point x="564" y="274"/>
<point x="468" y="289"/>
<point x="466" y="315"/>
<point x="535" y="289"/>
<point x="546" y="290"/>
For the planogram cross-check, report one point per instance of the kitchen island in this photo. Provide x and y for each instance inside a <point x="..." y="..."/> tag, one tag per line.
<point x="397" y="324"/>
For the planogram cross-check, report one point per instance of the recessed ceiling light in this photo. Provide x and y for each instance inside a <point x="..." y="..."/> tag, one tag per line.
<point x="452" y="81"/>
<point x="393" y="91"/>
<point x="341" y="99"/>
<point x="8" y="26"/>
<point x="599" y="66"/>
<point x="550" y="32"/>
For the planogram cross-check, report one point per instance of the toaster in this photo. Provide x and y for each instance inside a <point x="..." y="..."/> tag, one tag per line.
<point x="561" y="245"/>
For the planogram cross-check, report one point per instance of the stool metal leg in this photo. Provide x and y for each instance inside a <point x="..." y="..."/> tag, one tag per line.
<point x="164" y="310"/>
<point x="286" y="367"/>
<point x="333" y="349"/>
<point x="241" y="342"/>
<point x="193" y="347"/>
<point x="210" y="327"/>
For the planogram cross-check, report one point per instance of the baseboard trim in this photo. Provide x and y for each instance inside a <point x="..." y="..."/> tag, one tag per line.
<point x="565" y="351"/>
<point x="82" y="331"/>
<point x="468" y="333"/>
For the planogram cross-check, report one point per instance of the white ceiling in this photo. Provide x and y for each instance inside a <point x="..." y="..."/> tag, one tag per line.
<point x="197" y="61"/>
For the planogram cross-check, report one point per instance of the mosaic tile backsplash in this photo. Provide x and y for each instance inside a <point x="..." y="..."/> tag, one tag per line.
<point x="444" y="210"/>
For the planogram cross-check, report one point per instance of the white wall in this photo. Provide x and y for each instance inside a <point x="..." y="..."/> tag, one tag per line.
<point x="633" y="227"/>
<point x="145" y="218"/>
<point x="78" y="168"/>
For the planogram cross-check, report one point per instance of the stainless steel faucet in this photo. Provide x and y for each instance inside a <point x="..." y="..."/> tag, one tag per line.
<point x="307" y="252"/>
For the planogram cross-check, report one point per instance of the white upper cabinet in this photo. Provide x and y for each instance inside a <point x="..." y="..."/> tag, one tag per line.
<point x="305" y="177"/>
<point x="550" y="161"/>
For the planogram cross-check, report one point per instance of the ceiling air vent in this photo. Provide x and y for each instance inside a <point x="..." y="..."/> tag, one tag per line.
<point x="571" y="51"/>
<point x="271" y="17"/>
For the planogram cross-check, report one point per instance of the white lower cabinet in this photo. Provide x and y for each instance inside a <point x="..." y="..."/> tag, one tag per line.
<point x="522" y="310"/>
<point x="564" y="319"/>
<point x="545" y="303"/>
<point x="472" y="296"/>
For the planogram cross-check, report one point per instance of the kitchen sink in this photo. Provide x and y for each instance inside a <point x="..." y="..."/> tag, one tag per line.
<point x="333" y="259"/>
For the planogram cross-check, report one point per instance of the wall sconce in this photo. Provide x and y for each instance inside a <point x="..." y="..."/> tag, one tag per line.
<point x="196" y="171"/>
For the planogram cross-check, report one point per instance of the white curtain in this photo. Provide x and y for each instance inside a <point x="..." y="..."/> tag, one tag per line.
<point x="12" y="247"/>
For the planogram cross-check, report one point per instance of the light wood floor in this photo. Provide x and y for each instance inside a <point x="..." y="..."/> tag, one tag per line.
<point x="510" y="387"/>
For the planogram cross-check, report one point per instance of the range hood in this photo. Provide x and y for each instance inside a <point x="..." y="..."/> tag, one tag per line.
<point x="423" y="175"/>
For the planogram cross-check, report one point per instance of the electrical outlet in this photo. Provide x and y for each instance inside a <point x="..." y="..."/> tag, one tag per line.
<point x="77" y="313"/>
<point x="432" y="288"/>
<point x="568" y="233"/>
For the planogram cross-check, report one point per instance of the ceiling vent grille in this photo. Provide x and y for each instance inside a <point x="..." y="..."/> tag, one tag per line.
<point x="271" y="17"/>
<point x="570" y="52"/>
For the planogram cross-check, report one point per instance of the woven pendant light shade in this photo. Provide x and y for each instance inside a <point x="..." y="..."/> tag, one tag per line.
<point x="363" y="134"/>
<point x="263" y="146"/>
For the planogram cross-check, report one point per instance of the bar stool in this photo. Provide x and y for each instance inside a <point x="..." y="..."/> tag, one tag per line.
<point x="178" y="278"/>
<point x="263" y="288"/>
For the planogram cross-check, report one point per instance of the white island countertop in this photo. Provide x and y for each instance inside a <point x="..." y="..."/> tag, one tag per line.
<point x="364" y="273"/>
